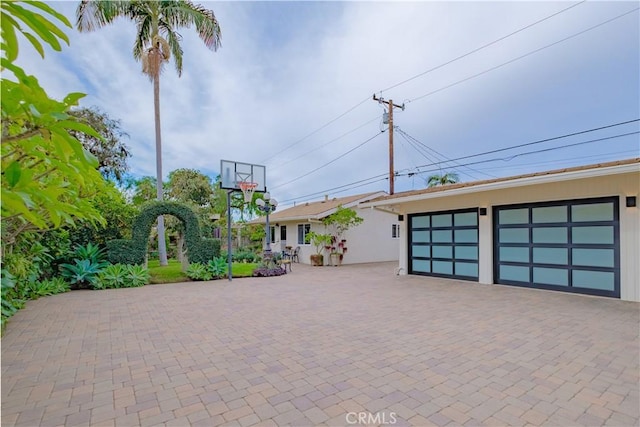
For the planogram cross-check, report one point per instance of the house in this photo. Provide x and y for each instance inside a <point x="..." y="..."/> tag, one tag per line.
<point x="575" y="230"/>
<point x="374" y="240"/>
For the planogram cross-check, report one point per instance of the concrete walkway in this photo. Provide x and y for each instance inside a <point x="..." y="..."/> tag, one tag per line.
<point x="332" y="346"/>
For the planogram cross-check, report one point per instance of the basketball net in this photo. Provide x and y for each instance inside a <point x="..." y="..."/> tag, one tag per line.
<point x="248" y="188"/>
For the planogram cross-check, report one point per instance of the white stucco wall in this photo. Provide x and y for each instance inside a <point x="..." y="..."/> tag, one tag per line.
<point x="621" y="185"/>
<point x="371" y="241"/>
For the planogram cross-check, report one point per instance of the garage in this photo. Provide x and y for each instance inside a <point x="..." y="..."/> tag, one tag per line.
<point x="570" y="245"/>
<point x="444" y="244"/>
<point x="573" y="230"/>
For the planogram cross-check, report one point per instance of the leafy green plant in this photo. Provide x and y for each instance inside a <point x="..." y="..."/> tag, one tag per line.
<point x="137" y="275"/>
<point x="82" y="273"/>
<point x="10" y="304"/>
<point x="116" y="276"/>
<point x="198" y="271"/>
<point x="111" y="277"/>
<point x="218" y="267"/>
<point x="93" y="253"/>
<point x="46" y="287"/>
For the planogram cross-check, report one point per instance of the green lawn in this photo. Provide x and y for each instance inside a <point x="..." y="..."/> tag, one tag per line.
<point x="172" y="273"/>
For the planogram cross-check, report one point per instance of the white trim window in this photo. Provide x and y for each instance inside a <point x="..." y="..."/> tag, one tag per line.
<point x="395" y="231"/>
<point x="303" y="230"/>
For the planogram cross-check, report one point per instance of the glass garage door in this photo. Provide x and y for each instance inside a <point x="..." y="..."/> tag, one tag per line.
<point x="571" y="246"/>
<point x="444" y="244"/>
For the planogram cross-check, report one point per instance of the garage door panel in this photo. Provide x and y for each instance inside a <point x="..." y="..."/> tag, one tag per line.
<point x="444" y="244"/>
<point x="566" y="245"/>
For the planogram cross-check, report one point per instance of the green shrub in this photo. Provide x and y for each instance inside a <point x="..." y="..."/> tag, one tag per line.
<point x="82" y="273"/>
<point x="10" y="303"/>
<point x="198" y="271"/>
<point x="42" y="288"/>
<point x="122" y="276"/>
<point x="123" y="251"/>
<point x="134" y="251"/>
<point x="112" y="277"/>
<point x="218" y="267"/>
<point x="137" y="275"/>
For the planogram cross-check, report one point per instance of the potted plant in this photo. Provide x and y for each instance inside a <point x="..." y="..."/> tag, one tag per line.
<point x="319" y="241"/>
<point x="340" y="221"/>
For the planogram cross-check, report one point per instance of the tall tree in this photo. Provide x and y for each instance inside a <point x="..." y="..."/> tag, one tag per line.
<point x="157" y="38"/>
<point x="111" y="152"/>
<point x="442" y="179"/>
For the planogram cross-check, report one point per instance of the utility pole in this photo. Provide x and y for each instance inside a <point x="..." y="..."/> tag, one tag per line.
<point x="390" y="104"/>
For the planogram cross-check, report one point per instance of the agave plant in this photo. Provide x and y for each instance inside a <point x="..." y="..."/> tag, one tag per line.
<point x="82" y="273"/>
<point x="47" y="287"/>
<point x="218" y="267"/>
<point x="137" y="275"/>
<point x="91" y="252"/>
<point x="198" y="271"/>
<point x="113" y="276"/>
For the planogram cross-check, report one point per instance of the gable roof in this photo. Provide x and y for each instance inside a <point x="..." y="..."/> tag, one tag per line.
<point x="598" y="169"/>
<point x="320" y="209"/>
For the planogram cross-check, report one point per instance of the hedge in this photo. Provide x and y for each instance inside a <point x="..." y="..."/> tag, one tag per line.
<point x="122" y="251"/>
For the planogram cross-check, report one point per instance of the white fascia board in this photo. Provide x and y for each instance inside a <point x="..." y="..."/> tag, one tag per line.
<point x="518" y="182"/>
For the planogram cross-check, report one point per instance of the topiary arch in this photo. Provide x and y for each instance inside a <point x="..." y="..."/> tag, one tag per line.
<point x="134" y="251"/>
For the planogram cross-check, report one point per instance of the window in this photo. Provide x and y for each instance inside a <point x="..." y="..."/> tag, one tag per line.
<point x="395" y="231"/>
<point x="283" y="233"/>
<point x="273" y="234"/>
<point x="303" y="230"/>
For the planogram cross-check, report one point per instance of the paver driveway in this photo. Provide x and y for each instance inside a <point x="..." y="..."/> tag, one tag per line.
<point x="331" y="346"/>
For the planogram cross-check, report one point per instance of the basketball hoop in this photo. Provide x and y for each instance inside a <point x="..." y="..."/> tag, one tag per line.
<point x="248" y="189"/>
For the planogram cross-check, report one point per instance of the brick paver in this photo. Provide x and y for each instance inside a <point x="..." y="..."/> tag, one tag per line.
<point x="312" y="346"/>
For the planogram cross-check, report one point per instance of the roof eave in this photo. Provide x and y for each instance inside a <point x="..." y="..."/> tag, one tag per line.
<point x="518" y="182"/>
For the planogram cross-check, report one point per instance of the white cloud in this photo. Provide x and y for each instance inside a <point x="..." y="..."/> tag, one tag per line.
<point x="287" y="68"/>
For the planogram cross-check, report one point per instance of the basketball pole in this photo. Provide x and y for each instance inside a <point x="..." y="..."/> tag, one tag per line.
<point x="229" y="254"/>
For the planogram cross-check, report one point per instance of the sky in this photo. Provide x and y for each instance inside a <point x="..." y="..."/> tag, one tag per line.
<point x="291" y="88"/>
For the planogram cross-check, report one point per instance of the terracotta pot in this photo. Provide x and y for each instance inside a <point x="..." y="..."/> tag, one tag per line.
<point x="317" y="260"/>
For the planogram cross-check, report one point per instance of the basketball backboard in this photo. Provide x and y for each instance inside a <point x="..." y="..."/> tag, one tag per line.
<point x="232" y="173"/>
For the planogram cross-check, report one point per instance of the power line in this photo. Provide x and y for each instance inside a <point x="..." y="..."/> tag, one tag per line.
<point x="539" y="141"/>
<point x="381" y="177"/>
<point x="326" y="164"/>
<point x="317" y="130"/>
<point x="325" y="144"/>
<point x="521" y="57"/>
<point x="481" y="47"/>
<point x="419" y="75"/>
<point x="543" y="150"/>
<point x="442" y="155"/>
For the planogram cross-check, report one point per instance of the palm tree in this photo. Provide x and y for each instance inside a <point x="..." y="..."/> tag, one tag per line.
<point x="156" y="40"/>
<point x="442" y="179"/>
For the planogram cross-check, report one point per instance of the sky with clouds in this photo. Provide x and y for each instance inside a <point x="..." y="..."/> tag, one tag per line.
<point x="291" y="88"/>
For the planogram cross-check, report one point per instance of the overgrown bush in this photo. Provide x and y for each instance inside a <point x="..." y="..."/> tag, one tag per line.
<point x="117" y="276"/>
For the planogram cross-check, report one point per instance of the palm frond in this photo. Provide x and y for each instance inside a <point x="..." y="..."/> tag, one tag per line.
<point x="173" y="39"/>
<point x="93" y="14"/>
<point x="184" y="13"/>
